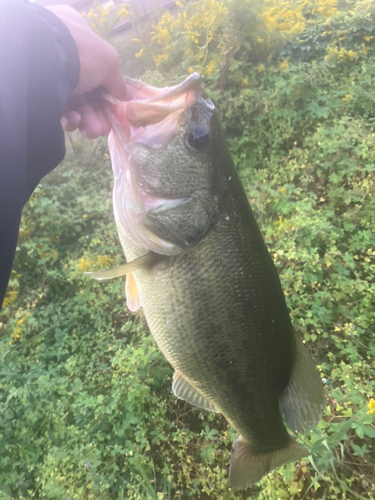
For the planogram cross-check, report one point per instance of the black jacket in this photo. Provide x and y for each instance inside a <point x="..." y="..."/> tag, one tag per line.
<point x="39" y="67"/>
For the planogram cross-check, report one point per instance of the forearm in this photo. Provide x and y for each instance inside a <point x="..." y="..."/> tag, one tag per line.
<point x="39" y="69"/>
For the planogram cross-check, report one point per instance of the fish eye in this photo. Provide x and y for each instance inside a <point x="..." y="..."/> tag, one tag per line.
<point x="198" y="138"/>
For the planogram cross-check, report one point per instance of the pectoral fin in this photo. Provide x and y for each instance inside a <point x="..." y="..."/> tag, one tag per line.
<point x="182" y="389"/>
<point x="140" y="263"/>
<point x="133" y="300"/>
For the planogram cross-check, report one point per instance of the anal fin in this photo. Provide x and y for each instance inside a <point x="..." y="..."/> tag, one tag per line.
<point x="303" y="400"/>
<point x="133" y="300"/>
<point x="182" y="389"/>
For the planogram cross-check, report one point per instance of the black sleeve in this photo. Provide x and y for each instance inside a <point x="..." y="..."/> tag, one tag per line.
<point x="39" y="67"/>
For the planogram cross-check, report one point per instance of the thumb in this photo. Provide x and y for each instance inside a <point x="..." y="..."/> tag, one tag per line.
<point x="116" y="86"/>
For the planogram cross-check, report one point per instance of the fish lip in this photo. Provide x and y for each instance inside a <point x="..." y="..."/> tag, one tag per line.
<point x="149" y="105"/>
<point x="193" y="80"/>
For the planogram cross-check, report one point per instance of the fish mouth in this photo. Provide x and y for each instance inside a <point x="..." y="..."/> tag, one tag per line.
<point x="153" y="118"/>
<point x="151" y="115"/>
<point x="138" y="90"/>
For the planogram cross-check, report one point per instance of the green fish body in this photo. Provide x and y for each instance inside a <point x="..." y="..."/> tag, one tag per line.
<point x="206" y="282"/>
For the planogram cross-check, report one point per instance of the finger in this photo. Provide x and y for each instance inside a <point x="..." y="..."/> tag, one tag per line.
<point x="106" y="127"/>
<point x="117" y="87"/>
<point x="70" y="121"/>
<point x="90" y="124"/>
<point x="112" y="79"/>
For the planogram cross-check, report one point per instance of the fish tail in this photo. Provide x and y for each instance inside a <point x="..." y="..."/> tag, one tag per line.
<point x="248" y="467"/>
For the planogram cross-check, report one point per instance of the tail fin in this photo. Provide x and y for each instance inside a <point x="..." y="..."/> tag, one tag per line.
<point x="248" y="467"/>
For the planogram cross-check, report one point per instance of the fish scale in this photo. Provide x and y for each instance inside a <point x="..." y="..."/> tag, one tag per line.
<point x="206" y="314"/>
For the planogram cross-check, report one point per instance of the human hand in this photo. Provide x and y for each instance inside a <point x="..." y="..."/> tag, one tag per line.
<point x="99" y="70"/>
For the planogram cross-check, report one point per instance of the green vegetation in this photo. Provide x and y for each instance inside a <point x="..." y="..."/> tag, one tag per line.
<point x="86" y="407"/>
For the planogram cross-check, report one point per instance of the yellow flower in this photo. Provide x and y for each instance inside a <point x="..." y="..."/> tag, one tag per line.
<point x="190" y="71"/>
<point x="104" y="11"/>
<point x="123" y="11"/>
<point x="282" y="224"/>
<point x="9" y="298"/>
<point x="104" y="260"/>
<point x="283" y="65"/>
<point x="371" y="407"/>
<point x="138" y="54"/>
<point x="159" y="59"/>
<point x="351" y="54"/>
<point x="279" y="17"/>
<point x="347" y="98"/>
<point x="210" y="68"/>
<point x="260" y="68"/>
<point x="18" y="330"/>
<point x="136" y="40"/>
<point x="164" y="35"/>
<point x="84" y="265"/>
<point x="84" y="216"/>
<point x="333" y="53"/>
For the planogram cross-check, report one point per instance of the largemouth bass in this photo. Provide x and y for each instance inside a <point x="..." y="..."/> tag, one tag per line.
<point x="198" y="266"/>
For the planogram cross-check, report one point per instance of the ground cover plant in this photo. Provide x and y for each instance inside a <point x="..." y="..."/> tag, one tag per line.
<point x="86" y="407"/>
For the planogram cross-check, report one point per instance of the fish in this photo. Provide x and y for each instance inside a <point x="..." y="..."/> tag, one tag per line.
<point x="198" y="266"/>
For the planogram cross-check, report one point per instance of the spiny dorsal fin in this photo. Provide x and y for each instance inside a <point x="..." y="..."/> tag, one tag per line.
<point x="182" y="389"/>
<point x="133" y="300"/>
<point x="127" y="268"/>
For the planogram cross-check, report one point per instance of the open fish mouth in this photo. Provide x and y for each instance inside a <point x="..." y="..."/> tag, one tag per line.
<point x="151" y="119"/>
<point x="151" y="114"/>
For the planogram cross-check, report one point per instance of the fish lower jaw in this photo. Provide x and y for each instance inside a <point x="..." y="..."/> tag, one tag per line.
<point x="145" y="241"/>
